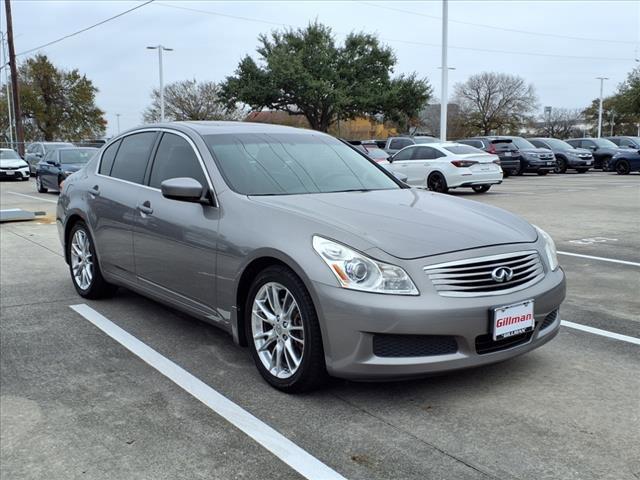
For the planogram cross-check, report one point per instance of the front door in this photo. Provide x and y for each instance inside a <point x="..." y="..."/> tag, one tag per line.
<point x="175" y="241"/>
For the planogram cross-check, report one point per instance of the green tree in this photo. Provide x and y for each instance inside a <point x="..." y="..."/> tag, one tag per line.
<point x="56" y="104"/>
<point x="304" y="72"/>
<point x="190" y="100"/>
<point x="495" y="102"/>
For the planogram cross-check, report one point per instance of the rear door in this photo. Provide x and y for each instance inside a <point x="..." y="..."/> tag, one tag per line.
<point x="48" y="170"/>
<point x="424" y="161"/>
<point x="175" y="241"/>
<point x="112" y="200"/>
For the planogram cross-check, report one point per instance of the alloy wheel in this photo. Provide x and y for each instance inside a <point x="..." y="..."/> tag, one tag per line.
<point x="437" y="183"/>
<point x="622" y="167"/>
<point x="278" y="330"/>
<point x="81" y="260"/>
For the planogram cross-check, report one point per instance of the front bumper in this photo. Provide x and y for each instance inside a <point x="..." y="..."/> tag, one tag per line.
<point x="540" y="165"/>
<point x="351" y="321"/>
<point x="18" y="174"/>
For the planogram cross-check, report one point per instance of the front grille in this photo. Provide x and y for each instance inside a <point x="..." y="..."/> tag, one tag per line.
<point x="545" y="156"/>
<point x="11" y="168"/>
<point x="486" y="343"/>
<point x="549" y="319"/>
<point x="385" y="345"/>
<point x="473" y="277"/>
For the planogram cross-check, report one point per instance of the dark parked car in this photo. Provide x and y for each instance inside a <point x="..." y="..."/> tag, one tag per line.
<point x="601" y="148"/>
<point x="395" y="144"/>
<point x="59" y="164"/>
<point x="371" y="149"/>
<point x="626" y="142"/>
<point x="502" y="147"/>
<point x="37" y="150"/>
<point x="567" y="156"/>
<point x="625" y="162"/>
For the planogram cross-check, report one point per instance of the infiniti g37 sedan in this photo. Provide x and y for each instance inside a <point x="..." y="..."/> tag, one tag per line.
<point x="309" y="253"/>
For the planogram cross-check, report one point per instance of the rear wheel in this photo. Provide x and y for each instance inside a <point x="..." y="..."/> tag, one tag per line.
<point x="542" y="172"/>
<point x="519" y="170"/>
<point x="283" y="332"/>
<point x="582" y="170"/>
<point x="623" y="167"/>
<point x="39" y="186"/>
<point x="437" y="183"/>
<point x="605" y="164"/>
<point x="83" y="265"/>
<point x="481" y="188"/>
<point x="561" y="165"/>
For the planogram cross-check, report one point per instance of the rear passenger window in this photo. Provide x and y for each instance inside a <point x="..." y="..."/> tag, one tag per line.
<point x="175" y="158"/>
<point x="107" y="158"/>
<point x="131" y="161"/>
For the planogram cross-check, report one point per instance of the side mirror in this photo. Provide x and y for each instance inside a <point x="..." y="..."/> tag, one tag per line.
<point x="390" y="158"/>
<point x="182" y="188"/>
<point x="401" y="176"/>
<point x="38" y="154"/>
<point x="52" y="162"/>
<point x="592" y="147"/>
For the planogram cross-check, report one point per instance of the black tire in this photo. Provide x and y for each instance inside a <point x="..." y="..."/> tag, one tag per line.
<point x="312" y="372"/>
<point x="561" y="165"/>
<point x="39" y="186"/>
<point x="506" y="173"/>
<point x="605" y="164"/>
<point x="519" y="170"/>
<point x="623" y="167"/>
<point x="582" y="170"/>
<point x="98" y="287"/>
<point x="542" y="173"/>
<point x="481" y="188"/>
<point x="437" y="183"/>
<point x="25" y="179"/>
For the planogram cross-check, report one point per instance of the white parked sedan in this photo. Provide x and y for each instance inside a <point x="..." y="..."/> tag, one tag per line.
<point x="441" y="166"/>
<point x="12" y="166"/>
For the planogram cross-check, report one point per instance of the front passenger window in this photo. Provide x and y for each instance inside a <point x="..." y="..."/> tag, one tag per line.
<point x="175" y="158"/>
<point x="403" y="154"/>
<point x="130" y="163"/>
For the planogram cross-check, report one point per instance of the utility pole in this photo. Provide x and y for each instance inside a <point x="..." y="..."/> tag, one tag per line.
<point x="17" y="113"/>
<point x="5" y="64"/>
<point x="160" y="49"/>
<point x="445" y="72"/>
<point x="602" y="79"/>
<point x="613" y="119"/>
<point x="118" y="121"/>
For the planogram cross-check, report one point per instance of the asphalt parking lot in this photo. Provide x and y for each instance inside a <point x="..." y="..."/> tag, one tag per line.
<point x="75" y="403"/>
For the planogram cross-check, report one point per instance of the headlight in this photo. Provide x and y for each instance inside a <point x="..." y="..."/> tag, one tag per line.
<point x="359" y="272"/>
<point x="549" y="248"/>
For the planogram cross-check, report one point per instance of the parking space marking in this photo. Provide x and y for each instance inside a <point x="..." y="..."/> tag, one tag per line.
<point x="603" y="259"/>
<point x="597" y="331"/>
<point x="300" y="460"/>
<point x="35" y="198"/>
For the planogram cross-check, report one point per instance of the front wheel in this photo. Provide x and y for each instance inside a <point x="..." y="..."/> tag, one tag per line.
<point x="481" y="188"/>
<point x="39" y="186"/>
<point x="283" y="332"/>
<point x="437" y="183"/>
<point x="623" y="167"/>
<point x="542" y="173"/>
<point x="561" y="166"/>
<point x="83" y="265"/>
<point x="583" y="170"/>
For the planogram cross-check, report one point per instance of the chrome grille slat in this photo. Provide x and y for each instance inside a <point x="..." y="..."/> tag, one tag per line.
<point x="472" y="277"/>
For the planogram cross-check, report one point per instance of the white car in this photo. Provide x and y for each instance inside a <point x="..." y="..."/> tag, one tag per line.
<point x="441" y="166"/>
<point x="12" y="166"/>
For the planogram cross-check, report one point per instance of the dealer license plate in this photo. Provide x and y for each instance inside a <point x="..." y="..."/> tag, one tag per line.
<point x="513" y="320"/>
<point x="507" y="154"/>
<point x="9" y="172"/>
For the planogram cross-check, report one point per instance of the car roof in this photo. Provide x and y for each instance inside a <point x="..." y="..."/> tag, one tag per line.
<point x="206" y="127"/>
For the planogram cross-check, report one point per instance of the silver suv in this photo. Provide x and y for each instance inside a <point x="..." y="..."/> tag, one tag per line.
<point x="308" y="252"/>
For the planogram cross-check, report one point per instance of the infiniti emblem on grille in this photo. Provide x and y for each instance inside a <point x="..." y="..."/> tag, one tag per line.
<point x="502" y="274"/>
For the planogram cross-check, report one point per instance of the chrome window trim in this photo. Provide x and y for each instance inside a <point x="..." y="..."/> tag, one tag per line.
<point x="159" y="129"/>
<point x="488" y="258"/>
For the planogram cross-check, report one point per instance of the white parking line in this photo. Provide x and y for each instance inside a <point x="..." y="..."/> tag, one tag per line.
<point x="301" y="461"/>
<point x="597" y="331"/>
<point x="35" y="198"/>
<point x="603" y="259"/>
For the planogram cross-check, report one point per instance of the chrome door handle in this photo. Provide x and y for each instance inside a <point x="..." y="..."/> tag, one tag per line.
<point x="95" y="191"/>
<point x="146" y="208"/>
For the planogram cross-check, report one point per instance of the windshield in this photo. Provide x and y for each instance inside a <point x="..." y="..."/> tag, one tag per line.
<point x="522" y="143"/>
<point x="293" y="163"/>
<point x="55" y="146"/>
<point x="78" y="155"/>
<point x="558" y="144"/>
<point x="601" y="142"/>
<point x="9" y="155"/>
<point x="463" y="149"/>
<point x="425" y="139"/>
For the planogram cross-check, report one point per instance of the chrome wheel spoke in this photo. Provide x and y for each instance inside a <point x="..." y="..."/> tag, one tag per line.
<point x="274" y="301"/>
<point x="292" y="354"/>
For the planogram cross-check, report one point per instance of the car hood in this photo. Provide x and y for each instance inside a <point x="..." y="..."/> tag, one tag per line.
<point x="12" y="163"/>
<point x="409" y="223"/>
<point x="535" y="150"/>
<point x="578" y="151"/>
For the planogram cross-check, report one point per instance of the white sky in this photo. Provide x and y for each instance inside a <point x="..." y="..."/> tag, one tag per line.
<point x="208" y="46"/>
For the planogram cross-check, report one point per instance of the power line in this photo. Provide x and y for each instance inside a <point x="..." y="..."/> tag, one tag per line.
<point x="84" y="29"/>
<point x="410" y="42"/>
<point x="493" y="27"/>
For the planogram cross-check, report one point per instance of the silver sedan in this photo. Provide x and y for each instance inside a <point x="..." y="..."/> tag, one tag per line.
<point x="308" y="252"/>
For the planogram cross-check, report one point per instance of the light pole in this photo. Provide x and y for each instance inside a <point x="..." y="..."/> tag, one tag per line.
<point x="118" y="121"/>
<point x="602" y="79"/>
<point x="160" y="49"/>
<point x="445" y="72"/>
<point x="5" y="67"/>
